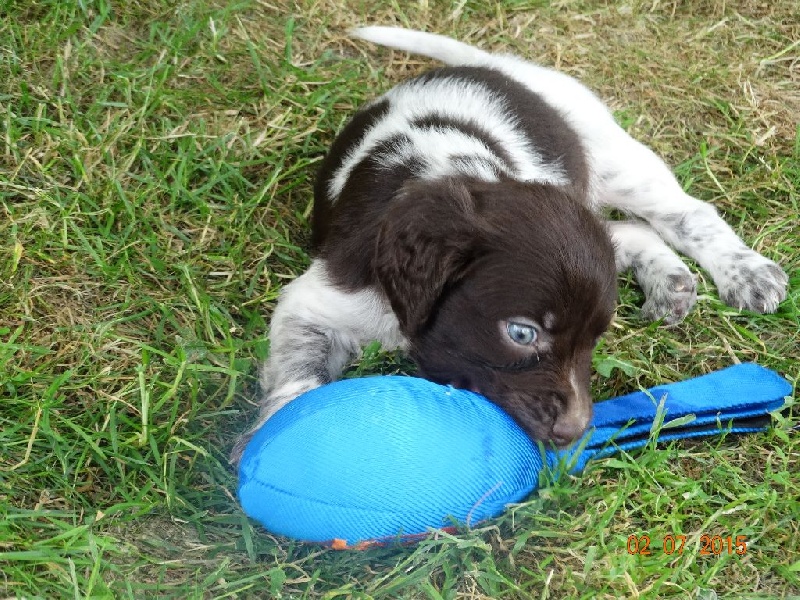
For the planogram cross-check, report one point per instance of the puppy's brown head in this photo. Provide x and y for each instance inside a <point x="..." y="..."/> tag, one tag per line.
<point x="503" y="288"/>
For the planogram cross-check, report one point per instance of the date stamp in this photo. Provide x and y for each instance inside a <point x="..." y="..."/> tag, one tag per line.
<point x="710" y="545"/>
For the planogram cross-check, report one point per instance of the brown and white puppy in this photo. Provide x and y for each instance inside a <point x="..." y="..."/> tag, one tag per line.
<point x="456" y="218"/>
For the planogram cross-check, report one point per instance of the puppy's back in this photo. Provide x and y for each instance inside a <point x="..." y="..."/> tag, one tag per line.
<point x="468" y="121"/>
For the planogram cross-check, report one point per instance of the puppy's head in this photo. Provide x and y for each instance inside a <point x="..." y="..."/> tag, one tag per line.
<point x="503" y="288"/>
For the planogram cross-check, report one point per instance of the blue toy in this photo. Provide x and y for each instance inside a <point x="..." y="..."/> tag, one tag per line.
<point x="384" y="458"/>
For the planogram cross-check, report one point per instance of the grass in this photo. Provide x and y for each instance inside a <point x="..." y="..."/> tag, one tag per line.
<point x="156" y="163"/>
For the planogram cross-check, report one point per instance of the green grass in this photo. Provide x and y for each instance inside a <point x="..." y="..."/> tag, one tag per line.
<point x="156" y="163"/>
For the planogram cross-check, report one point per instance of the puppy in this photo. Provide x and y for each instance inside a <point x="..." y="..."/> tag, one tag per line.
<point x="456" y="218"/>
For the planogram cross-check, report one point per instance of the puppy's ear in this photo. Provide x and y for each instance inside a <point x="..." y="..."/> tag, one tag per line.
<point x="427" y="238"/>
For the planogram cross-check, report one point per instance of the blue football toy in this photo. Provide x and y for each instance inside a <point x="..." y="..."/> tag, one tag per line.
<point x="368" y="460"/>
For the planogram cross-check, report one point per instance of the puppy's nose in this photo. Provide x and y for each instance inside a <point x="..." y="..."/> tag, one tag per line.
<point x="568" y="428"/>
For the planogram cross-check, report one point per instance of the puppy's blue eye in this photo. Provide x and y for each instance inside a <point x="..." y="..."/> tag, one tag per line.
<point x="521" y="334"/>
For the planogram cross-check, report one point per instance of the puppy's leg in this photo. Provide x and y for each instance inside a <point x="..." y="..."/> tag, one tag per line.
<point x="638" y="182"/>
<point x="316" y="329"/>
<point x="669" y="286"/>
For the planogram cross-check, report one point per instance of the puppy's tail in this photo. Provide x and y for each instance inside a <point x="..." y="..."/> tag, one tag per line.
<point x="440" y="47"/>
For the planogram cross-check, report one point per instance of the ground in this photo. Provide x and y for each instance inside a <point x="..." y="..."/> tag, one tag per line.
<point x="156" y="163"/>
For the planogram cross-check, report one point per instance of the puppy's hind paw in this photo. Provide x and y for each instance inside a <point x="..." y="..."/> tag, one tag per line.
<point x="754" y="283"/>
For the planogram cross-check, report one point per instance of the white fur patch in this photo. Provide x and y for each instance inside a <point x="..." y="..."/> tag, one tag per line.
<point x="456" y="99"/>
<point x="316" y="330"/>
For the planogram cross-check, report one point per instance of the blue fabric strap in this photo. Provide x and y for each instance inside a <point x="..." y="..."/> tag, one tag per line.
<point x="737" y="399"/>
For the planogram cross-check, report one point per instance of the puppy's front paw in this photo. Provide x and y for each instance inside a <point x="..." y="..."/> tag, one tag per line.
<point x="671" y="297"/>
<point x="235" y="455"/>
<point x="751" y="282"/>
